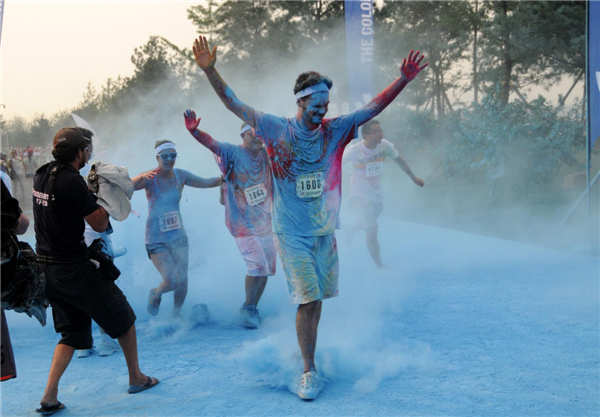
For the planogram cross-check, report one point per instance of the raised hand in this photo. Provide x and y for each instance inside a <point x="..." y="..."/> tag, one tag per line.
<point x="204" y="58"/>
<point x="191" y="123"/>
<point x="410" y="68"/>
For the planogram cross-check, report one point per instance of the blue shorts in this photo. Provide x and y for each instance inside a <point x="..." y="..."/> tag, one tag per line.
<point x="174" y="246"/>
<point x="311" y="266"/>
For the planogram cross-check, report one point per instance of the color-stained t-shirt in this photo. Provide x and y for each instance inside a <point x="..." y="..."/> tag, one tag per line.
<point x="306" y="170"/>
<point x="249" y="195"/>
<point x="164" y="222"/>
<point x="367" y="168"/>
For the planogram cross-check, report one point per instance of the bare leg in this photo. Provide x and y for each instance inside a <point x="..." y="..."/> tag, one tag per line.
<point x="180" y="258"/>
<point x="60" y="361"/>
<point x="128" y="343"/>
<point x="255" y="286"/>
<point x="307" y="322"/>
<point x="165" y="265"/>
<point x="373" y="245"/>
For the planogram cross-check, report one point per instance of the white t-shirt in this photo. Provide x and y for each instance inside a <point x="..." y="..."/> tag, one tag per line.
<point x="6" y="180"/>
<point x="367" y="168"/>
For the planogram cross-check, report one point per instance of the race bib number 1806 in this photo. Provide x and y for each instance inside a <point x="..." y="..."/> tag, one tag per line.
<point x="310" y="185"/>
<point x="169" y="221"/>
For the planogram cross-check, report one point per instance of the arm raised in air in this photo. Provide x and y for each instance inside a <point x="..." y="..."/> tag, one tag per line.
<point x="206" y="60"/>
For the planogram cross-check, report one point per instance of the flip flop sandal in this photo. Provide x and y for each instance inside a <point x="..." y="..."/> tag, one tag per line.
<point x="48" y="410"/>
<point x="151" y="382"/>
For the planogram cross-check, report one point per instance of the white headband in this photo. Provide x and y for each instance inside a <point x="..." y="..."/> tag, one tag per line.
<point x="164" y="146"/>
<point x="245" y="129"/>
<point x="317" y="88"/>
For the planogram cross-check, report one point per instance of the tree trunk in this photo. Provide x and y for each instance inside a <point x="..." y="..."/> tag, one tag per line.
<point x="506" y="61"/>
<point x="438" y="93"/>
<point x="475" y="86"/>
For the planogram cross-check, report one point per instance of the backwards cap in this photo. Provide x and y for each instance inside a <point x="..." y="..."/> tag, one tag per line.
<point x="69" y="137"/>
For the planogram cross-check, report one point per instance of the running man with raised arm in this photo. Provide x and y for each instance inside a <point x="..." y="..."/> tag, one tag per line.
<point x="366" y="195"/>
<point x="247" y="200"/>
<point x="306" y="158"/>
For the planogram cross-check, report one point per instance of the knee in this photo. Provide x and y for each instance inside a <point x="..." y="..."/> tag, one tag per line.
<point x="182" y="285"/>
<point x="171" y="282"/>
<point x="310" y="308"/>
<point x="372" y="233"/>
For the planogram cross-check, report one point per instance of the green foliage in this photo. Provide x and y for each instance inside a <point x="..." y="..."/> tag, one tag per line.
<point x="516" y="144"/>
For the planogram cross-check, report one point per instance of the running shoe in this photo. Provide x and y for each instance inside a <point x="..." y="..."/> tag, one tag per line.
<point x="108" y="348"/>
<point x="309" y="386"/>
<point x="153" y="303"/>
<point x="249" y="314"/>
<point x="84" y="353"/>
<point x="257" y="313"/>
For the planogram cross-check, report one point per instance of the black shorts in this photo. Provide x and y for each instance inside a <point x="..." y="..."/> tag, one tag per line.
<point x="79" y="293"/>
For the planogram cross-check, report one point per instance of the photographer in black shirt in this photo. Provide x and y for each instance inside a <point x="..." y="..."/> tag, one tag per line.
<point x="76" y="289"/>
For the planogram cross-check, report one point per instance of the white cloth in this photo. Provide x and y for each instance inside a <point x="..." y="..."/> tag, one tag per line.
<point x="114" y="188"/>
<point x="89" y="235"/>
<point x="367" y="168"/>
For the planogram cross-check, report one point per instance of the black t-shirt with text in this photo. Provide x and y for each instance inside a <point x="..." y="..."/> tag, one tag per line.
<point x="59" y="226"/>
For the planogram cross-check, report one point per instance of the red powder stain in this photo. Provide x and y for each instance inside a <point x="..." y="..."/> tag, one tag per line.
<point x="281" y="161"/>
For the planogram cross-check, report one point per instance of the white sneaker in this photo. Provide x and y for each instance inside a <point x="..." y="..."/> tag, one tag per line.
<point x="153" y="303"/>
<point x="84" y="353"/>
<point x="108" y="348"/>
<point x="257" y="314"/>
<point x="309" y="386"/>
<point x="250" y="316"/>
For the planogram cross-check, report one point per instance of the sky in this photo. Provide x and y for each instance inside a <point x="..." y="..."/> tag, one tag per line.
<point x="50" y="50"/>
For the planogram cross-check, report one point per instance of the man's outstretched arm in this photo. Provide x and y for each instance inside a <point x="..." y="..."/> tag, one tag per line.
<point x="191" y="124"/>
<point x="206" y="60"/>
<point x="404" y="166"/>
<point x="408" y="71"/>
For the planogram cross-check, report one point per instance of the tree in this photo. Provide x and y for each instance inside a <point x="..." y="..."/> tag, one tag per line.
<point x="40" y="132"/>
<point x="532" y="43"/>
<point x="438" y="30"/>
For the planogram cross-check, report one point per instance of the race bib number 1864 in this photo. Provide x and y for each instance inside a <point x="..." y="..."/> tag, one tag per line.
<point x="255" y="194"/>
<point x="310" y="185"/>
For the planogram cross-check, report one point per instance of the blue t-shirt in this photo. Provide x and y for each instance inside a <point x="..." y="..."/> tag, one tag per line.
<point x="249" y="190"/>
<point x="307" y="169"/>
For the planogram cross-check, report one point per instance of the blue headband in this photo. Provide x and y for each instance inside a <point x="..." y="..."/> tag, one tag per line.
<point x="317" y="88"/>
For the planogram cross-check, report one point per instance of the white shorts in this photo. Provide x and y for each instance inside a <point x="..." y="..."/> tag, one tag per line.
<point x="311" y="266"/>
<point x="259" y="254"/>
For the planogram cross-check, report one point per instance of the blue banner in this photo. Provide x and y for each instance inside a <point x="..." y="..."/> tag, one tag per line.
<point x="594" y="69"/>
<point x="358" y="16"/>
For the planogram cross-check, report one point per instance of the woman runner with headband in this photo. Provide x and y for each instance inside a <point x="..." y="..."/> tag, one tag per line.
<point x="166" y="240"/>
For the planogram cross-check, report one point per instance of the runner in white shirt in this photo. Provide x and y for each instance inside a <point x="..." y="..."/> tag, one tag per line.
<point x="366" y="195"/>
